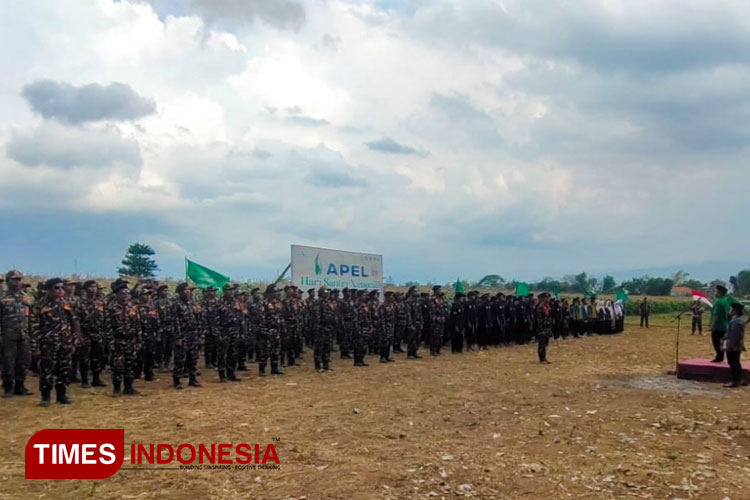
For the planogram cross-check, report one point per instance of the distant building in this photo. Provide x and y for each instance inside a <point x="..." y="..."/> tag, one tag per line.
<point x="681" y="291"/>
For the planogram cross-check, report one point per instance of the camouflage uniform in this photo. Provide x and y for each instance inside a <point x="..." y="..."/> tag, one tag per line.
<point x="255" y="317"/>
<point x="348" y="318"/>
<point x="186" y="320"/>
<point x="54" y="339"/>
<point x="210" y="313"/>
<point x="123" y="325"/>
<point x="362" y="332"/>
<point x="399" y="332"/>
<point x="414" y="325"/>
<point x="376" y="324"/>
<point x="93" y="339"/>
<point x="15" y="332"/>
<point x="150" y="330"/>
<point x="269" y="342"/>
<point x="166" y="347"/>
<point x="230" y="324"/>
<point x="289" y="331"/>
<point x="388" y="324"/>
<point x="438" y="324"/>
<point x="545" y="323"/>
<point x="327" y="321"/>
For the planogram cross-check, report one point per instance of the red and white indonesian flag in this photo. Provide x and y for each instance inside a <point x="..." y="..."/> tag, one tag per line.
<point x="702" y="297"/>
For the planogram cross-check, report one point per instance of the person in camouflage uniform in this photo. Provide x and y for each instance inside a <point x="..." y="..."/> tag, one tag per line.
<point x="269" y="341"/>
<point x="242" y="343"/>
<point x="230" y="321"/>
<point x="545" y="322"/>
<point x="348" y="318"/>
<point x="457" y="323"/>
<point x="376" y="325"/>
<point x="399" y="332"/>
<point x="72" y="290"/>
<point x="255" y="312"/>
<point x="210" y="305"/>
<point x="15" y="333"/>
<point x="362" y="328"/>
<point x="289" y="331"/>
<point x="309" y="312"/>
<point x="91" y="350"/>
<point x="150" y="331"/>
<point x="415" y="323"/>
<point x="437" y="311"/>
<point x="187" y="325"/>
<point x="123" y="326"/>
<point x="327" y="319"/>
<point x="53" y="340"/>
<point x="388" y="324"/>
<point x="165" y="349"/>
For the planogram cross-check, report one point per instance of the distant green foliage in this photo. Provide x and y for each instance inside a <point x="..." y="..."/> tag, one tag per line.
<point x="632" y="306"/>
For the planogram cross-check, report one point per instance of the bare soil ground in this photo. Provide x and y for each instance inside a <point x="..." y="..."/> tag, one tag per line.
<point x="603" y="421"/>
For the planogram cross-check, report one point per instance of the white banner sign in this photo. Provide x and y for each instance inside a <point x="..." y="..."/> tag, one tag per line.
<point x="315" y="267"/>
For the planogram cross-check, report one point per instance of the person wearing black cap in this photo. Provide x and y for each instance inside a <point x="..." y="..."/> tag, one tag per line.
<point x="734" y="343"/>
<point x="15" y="334"/>
<point x="209" y="303"/>
<point x="255" y="312"/>
<point x="289" y="331"/>
<point x="399" y="331"/>
<point x="544" y="322"/>
<point x="166" y="333"/>
<point x="186" y="323"/>
<point x="437" y="320"/>
<point x="269" y="342"/>
<point x="387" y="322"/>
<point x="150" y="330"/>
<point x="362" y="329"/>
<point x="719" y="321"/>
<point x="229" y="324"/>
<point x="472" y="321"/>
<point x="457" y="323"/>
<point x="327" y="316"/>
<point x="52" y="340"/>
<point x="123" y="328"/>
<point x="415" y="324"/>
<point x="91" y="348"/>
<point x="348" y="316"/>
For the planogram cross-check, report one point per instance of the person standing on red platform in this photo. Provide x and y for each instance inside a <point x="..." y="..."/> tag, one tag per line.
<point x="734" y="343"/>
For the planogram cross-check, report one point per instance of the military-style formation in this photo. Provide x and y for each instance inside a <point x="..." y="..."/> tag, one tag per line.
<point x="69" y="332"/>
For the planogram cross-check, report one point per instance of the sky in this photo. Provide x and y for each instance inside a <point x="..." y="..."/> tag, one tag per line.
<point x="524" y="138"/>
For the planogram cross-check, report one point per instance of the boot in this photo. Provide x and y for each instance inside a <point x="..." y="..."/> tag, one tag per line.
<point x="232" y="377"/>
<point x="383" y="360"/>
<point x="291" y="361"/>
<point x="176" y="383"/>
<point x="45" y="397"/>
<point x="261" y="369"/>
<point x="21" y="390"/>
<point x="275" y="370"/>
<point x="149" y="377"/>
<point x="317" y="364"/>
<point x="7" y="388"/>
<point x="327" y="367"/>
<point x="194" y="382"/>
<point x="85" y="380"/>
<point x="62" y="398"/>
<point x="222" y="376"/>
<point x="96" y="381"/>
<point x="129" y="389"/>
<point x="116" y="387"/>
<point x="241" y="367"/>
<point x="74" y="378"/>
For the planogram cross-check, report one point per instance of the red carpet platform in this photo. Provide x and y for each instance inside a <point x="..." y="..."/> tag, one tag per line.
<point x="703" y="369"/>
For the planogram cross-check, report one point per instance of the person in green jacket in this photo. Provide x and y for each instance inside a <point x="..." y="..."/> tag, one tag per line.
<point x="719" y="321"/>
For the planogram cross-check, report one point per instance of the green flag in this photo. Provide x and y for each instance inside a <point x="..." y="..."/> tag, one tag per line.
<point x="621" y="295"/>
<point x="204" y="277"/>
<point x="522" y="289"/>
<point x="556" y="290"/>
<point x="458" y="287"/>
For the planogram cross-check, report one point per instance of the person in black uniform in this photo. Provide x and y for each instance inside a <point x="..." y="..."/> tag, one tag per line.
<point x="457" y="323"/>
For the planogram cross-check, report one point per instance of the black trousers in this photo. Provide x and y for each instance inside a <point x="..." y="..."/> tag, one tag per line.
<point x="697" y="325"/>
<point x="542" y="341"/>
<point x="735" y="366"/>
<point x="716" y="337"/>
<point x="644" y="318"/>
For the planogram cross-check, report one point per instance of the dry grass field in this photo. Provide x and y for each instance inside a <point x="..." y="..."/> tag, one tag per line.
<point x="603" y="421"/>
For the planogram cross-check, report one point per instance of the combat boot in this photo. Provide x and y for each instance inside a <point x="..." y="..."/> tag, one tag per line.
<point x="116" y="388"/>
<point x="96" y="381"/>
<point x="7" y="389"/>
<point x="222" y="376"/>
<point x="45" y="397"/>
<point x="291" y="362"/>
<point x="327" y="367"/>
<point x="232" y="377"/>
<point x="317" y="365"/>
<point x="129" y="389"/>
<point x="275" y="370"/>
<point x="241" y="367"/>
<point x="85" y="380"/>
<point x="261" y="369"/>
<point x="62" y="398"/>
<point x="176" y="383"/>
<point x="149" y="377"/>
<point x="20" y="390"/>
<point x="194" y="382"/>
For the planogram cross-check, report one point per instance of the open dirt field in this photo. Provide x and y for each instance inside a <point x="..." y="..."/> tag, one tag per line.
<point x="602" y="421"/>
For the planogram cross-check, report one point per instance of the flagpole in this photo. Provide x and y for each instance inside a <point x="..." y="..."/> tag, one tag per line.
<point x="186" y="271"/>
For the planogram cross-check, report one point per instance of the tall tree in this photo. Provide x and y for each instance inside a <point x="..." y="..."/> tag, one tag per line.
<point x="608" y="284"/>
<point x="491" y="281"/>
<point x="743" y="282"/>
<point x="138" y="261"/>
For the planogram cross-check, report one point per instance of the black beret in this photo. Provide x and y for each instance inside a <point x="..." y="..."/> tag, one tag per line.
<point x="411" y="289"/>
<point x="50" y="283"/>
<point x="184" y="286"/>
<point x="119" y="286"/>
<point x="436" y="288"/>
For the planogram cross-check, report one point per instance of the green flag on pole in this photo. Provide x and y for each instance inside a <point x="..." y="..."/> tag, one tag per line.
<point x="204" y="277"/>
<point x="458" y="287"/>
<point x="621" y="295"/>
<point x="522" y="289"/>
